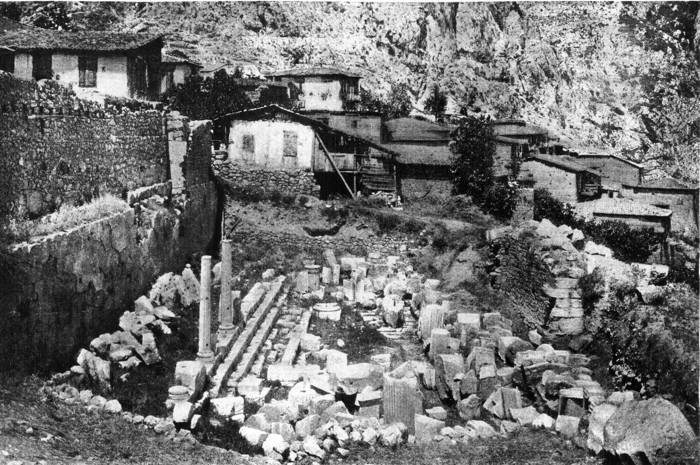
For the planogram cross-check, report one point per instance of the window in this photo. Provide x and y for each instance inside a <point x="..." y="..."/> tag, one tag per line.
<point x="41" y="66"/>
<point x="248" y="143"/>
<point x="7" y="62"/>
<point x="353" y="124"/>
<point x="87" y="71"/>
<point x="289" y="148"/>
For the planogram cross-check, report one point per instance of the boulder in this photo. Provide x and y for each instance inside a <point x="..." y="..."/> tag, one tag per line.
<point x="282" y="429"/>
<point x="427" y="428"/>
<point x="311" y="447"/>
<point x="192" y="374"/>
<point x="258" y="421"/>
<point x="543" y="421"/>
<point x="567" y="426"/>
<point x="390" y="436"/>
<point x="307" y="425"/>
<point x="438" y="413"/>
<point x="97" y="369"/>
<point x="112" y="406"/>
<point x="646" y="428"/>
<point x="481" y="429"/>
<point x="600" y="414"/>
<point x="274" y="446"/>
<point x="469" y="408"/>
<point x="254" y="437"/>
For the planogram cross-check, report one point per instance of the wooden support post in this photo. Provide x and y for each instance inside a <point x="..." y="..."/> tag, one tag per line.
<point x="335" y="167"/>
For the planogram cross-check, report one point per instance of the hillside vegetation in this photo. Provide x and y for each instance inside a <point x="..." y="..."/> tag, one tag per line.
<point x="616" y="75"/>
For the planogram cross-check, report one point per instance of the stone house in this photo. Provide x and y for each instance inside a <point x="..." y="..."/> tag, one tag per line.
<point x="321" y="88"/>
<point x="273" y="138"/>
<point x="514" y="140"/>
<point x="110" y="63"/>
<point x="637" y="215"/>
<point x="615" y="170"/>
<point x="176" y="67"/>
<point x="425" y="158"/>
<point x="565" y="178"/>
<point x="668" y="194"/>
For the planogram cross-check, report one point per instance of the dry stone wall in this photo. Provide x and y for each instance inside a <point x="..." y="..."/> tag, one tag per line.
<point x="57" y="149"/>
<point x="287" y="181"/>
<point x="75" y="284"/>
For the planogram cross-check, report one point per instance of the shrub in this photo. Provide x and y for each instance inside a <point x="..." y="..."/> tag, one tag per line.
<point x="654" y="347"/>
<point x="631" y="245"/>
<point x="501" y="199"/>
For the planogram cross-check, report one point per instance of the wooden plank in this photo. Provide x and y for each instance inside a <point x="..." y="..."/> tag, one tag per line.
<point x="323" y="146"/>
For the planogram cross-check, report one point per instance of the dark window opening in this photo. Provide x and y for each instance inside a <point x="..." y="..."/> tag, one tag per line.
<point x="353" y="124"/>
<point x="7" y="62"/>
<point x="289" y="148"/>
<point x="41" y="66"/>
<point x="662" y="205"/>
<point x="248" y="143"/>
<point x="87" y="69"/>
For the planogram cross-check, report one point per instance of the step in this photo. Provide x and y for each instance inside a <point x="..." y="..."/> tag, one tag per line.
<point x="252" y="352"/>
<point x="243" y="340"/>
<point x="290" y="352"/>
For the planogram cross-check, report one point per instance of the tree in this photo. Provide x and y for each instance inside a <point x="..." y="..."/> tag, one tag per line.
<point x="473" y="150"/>
<point x="209" y="98"/>
<point x="436" y="102"/>
<point x="397" y="104"/>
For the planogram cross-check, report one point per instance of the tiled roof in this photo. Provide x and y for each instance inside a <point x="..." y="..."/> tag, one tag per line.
<point x="412" y="129"/>
<point x="513" y="130"/>
<point x="417" y="154"/>
<point x="620" y="207"/>
<point x="6" y="24"/>
<point x="564" y="162"/>
<point x="177" y="56"/>
<point x="607" y="155"/>
<point x="313" y="71"/>
<point x="664" y="183"/>
<point x="45" y="39"/>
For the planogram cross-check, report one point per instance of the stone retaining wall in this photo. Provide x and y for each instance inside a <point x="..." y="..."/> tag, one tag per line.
<point x="74" y="285"/>
<point x="288" y="181"/>
<point x="57" y="149"/>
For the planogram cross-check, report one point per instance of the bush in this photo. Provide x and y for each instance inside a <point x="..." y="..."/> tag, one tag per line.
<point x="654" y="347"/>
<point x="631" y="245"/>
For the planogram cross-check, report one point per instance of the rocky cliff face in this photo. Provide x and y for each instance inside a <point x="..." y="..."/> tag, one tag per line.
<point x="601" y="74"/>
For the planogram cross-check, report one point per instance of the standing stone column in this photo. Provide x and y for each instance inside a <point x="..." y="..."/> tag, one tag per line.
<point x="401" y="400"/>
<point x="226" y="300"/>
<point x="205" y="353"/>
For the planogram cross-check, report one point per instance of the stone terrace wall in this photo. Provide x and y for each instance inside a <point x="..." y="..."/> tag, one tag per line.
<point x="75" y="284"/>
<point x="292" y="181"/>
<point x="315" y="245"/>
<point x="56" y="148"/>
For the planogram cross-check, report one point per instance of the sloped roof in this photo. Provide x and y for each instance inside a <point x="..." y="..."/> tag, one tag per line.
<point x="664" y="183"/>
<point x="313" y="71"/>
<point x="564" y="162"/>
<point x="269" y="110"/>
<point x="619" y="207"/>
<point x="609" y="155"/>
<point x="96" y="41"/>
<point x="413" y="129"/>
<point x="177" y="56"/>
<point x="6" y="24"/>
<point x="416" y="154"/>
<point x="516" y="129"/>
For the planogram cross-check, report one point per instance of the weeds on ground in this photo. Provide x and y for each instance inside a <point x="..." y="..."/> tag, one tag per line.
<point x="68" y="217"/>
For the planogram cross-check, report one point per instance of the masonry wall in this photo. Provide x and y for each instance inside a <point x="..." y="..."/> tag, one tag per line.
<point x="241" y="175"/>
<point x="615" y="172"/>
<point x="418" y="181"/>
<point x="74" y="285"/>
<point x="560" y="183"/>
<point x="684" y="205"/>
<point x="267" y="139"/>
<point x="58" y="150"/>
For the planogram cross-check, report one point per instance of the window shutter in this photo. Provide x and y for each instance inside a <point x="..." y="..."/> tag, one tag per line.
<point x="290" y="144"/>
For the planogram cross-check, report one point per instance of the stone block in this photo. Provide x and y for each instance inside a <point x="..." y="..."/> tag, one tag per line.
<point x="426" y="428"/>
<point x="310" y="342"/>
<point x="524" y="416"/>
<point x="254" y="437"/>
<point x="567" y="426"/>
<point x="469" y="408"/>
<point x="438" y="413"/>
<point x="192" y="374"/>
<point x="182" y="412"/>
